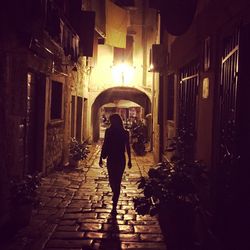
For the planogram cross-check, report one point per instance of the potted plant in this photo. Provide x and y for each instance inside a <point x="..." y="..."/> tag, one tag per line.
<point x="77" y="152"/>
<point x="23" y="197"/>
<point x="170" y="192"/>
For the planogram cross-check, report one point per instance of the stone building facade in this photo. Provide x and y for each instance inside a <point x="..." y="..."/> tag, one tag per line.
<point x="40" y="50"/>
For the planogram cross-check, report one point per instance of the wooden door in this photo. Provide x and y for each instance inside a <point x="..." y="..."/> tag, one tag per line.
<point x="35" y="123"/>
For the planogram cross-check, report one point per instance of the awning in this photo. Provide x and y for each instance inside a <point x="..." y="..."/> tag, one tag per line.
<point x="116" y="25"/>
<point x="121" y="104"/>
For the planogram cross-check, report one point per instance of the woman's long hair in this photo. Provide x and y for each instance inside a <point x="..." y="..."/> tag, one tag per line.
<point x="116" y="122"/>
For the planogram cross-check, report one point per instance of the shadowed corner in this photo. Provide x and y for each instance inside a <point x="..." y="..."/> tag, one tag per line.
<point x="112" y="241"/>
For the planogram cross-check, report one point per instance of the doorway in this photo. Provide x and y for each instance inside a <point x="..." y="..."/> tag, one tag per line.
<point x="113" y="96"/>
<point x="35" y="122"/>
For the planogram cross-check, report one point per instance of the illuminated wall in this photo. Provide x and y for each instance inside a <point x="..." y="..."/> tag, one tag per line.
<point x="143" y="27"/>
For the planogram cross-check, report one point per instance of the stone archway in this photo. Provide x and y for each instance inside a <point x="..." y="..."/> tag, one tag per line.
<point x="117" y="93"/>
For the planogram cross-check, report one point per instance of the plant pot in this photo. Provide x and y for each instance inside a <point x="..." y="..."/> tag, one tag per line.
<point x="177" y="224"/>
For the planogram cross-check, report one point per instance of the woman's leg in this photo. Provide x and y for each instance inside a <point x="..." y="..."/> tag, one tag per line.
<point x="115" y="172"/>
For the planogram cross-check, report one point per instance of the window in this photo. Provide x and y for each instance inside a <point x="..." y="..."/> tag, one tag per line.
<point x="124" y="55"/>
<point x="56" y="100"/>
<point x="207" y="53"/>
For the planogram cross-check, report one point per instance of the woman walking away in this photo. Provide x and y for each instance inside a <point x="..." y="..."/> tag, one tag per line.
<point x="116" y="141"/>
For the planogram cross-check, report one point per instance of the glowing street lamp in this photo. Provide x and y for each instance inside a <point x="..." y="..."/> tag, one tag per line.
<point x="123" y="73"/>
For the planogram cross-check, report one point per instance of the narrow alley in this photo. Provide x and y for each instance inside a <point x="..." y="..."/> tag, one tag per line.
<point x="176" y="73"/>
<point x="75" y="211"/>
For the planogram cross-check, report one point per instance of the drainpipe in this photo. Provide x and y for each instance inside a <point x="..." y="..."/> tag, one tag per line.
<point x="160" y="99"/>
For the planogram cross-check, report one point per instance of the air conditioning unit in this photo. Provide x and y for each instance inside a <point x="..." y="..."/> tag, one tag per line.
<point x="157" y="58"/>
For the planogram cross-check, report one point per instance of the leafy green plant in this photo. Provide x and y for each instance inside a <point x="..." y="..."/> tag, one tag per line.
<point x="78" y="151"/>
<point x="167" y="185"/>
<point x="170" y="183"/>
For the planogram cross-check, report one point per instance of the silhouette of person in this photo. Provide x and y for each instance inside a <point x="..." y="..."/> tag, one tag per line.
<point x="116" y="141"/>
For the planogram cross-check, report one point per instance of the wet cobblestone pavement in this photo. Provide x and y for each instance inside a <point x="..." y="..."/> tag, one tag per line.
<point x="75" y="212"/>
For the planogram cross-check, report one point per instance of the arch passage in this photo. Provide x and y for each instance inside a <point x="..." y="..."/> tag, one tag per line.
<point x="117" y="93"/>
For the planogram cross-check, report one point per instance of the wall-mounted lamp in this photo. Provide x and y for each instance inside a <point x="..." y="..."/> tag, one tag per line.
<point x="123" y="73"/>
<point x="151" y="67"/>
<point x="57" y="69"/>
<point x="67" y="64"/>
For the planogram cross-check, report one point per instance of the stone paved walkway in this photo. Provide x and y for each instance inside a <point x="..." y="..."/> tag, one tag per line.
<point x="75" y="212"/>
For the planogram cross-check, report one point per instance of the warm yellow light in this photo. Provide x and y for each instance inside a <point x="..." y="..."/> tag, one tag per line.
<point x="151" y="67"/>
<point x="123" y="73"/>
